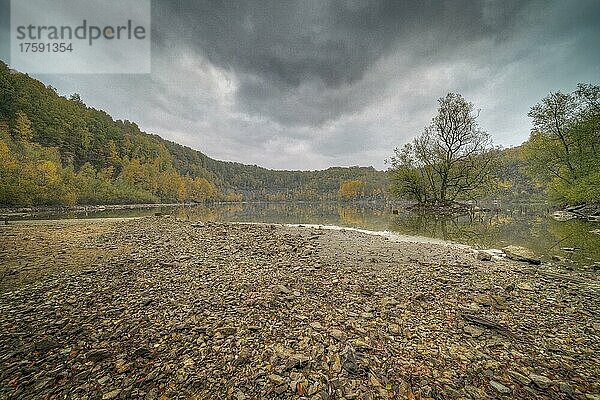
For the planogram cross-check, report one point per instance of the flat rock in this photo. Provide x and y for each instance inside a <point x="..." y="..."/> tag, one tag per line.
<point x="98" y="355"/>
<point x="338" y="334"/>
<point x="45" y="344"/>
<point x="473" y="331"/>
<point x="277" y="379"/>
<point x="283" y="289"/>
<point x="525" y="286"/>
<point x="519" y="377"/>
<point x="227" y="330"/>
<point x="519" y="253"/>
<point x="565" y="388"/>
<point x="316" y="326"/>
<point x="111" y="395"/>
<point x="540" y="381"/>
<point x="500" y="388"/>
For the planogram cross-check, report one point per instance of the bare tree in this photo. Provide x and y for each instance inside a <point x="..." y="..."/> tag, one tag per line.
<point x="452" y="159"/>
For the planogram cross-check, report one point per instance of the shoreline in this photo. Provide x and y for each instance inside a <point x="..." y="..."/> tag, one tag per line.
<point x="395" y="237"/>
<point x="156" y="306"/>
<point x="485" y="254"/>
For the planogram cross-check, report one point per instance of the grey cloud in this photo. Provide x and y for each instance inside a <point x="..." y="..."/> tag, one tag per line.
<point x="296" y="58"/>
<point x="310" y="84"/>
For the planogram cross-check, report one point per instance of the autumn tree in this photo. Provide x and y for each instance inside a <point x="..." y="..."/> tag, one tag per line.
<point x="8" y="167"/>
<point x="352" y="189"/>
<point x="22" y="131"/>
<point x="452" y="159"/>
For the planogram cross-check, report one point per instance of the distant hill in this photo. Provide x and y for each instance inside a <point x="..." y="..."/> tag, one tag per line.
<point x="57" y="150"/>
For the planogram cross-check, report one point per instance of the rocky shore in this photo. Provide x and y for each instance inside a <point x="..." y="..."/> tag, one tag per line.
<point x="587" y="212"/>
<point x="159" y="308"/>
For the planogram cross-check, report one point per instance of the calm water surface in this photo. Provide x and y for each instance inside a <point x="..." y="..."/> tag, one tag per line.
<point x="531" y="226"/>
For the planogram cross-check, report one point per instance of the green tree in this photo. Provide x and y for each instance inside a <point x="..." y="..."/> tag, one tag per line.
<point x="563" y="151"/>
<point x="8" y="177"/>
<point x="76" y="98"/>
<point x="452" y="159"/>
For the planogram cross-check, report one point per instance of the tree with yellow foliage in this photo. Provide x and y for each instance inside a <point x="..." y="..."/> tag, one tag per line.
<point x="22" y="131"/>
<point x="352" y="189"/>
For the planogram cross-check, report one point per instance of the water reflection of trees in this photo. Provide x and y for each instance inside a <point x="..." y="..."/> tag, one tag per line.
<point x="527" y="226"/>
<point x="455" y="228"/>
<point x="576" y="234"/>
<point x="485" y="229"/>
<point x="373" y="217"/>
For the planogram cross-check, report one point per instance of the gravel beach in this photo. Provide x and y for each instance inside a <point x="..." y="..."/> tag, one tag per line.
<point x="161" y="308"/>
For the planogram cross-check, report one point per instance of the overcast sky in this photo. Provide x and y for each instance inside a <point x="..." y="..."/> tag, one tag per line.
<point x="313" y="84"/>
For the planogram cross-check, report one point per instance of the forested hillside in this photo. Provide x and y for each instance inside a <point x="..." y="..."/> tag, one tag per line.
<point x="513" y="183"/>
<point x="254" y="182"/>
<point x="57" y="151"/>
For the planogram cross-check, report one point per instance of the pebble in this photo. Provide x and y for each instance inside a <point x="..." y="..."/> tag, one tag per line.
<point x="338" y="334"/>
<point x="520" y="377"/>
<point x="316" y="326"/>
<point x="276" y="379"/>
<point x="566" y="388"/>
<point x="283" y="289"/>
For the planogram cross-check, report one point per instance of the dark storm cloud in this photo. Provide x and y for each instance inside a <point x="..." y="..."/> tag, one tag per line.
<point x="296" y="59"/>
<point x="335" y="42"/>
<point x="310" y="84"/>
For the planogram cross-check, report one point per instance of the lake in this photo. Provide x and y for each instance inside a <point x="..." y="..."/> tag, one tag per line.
<point x="531" y="226"/>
